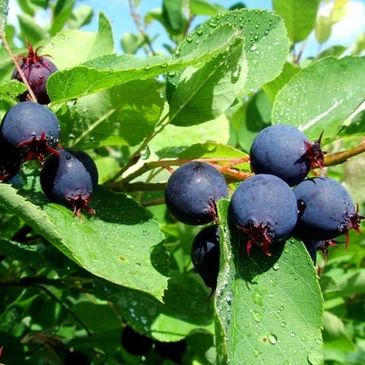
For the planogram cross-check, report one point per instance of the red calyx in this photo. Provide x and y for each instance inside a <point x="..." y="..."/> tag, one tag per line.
<point x="353" y="222"/>
<point x="37" y="149"/>
<point x="258" y="234"/>
<point x="80" y="202"/>
<point x="314" y="154"/>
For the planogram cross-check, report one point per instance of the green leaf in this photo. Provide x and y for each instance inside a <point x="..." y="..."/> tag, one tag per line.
<point x="185" y="309"/>
<point x="73" y="47"/>
<point x="204" y="7"/>
<point x="266" y="47"/>
<point x="108" y="245"/>
<point x="202" y="94"/>
<point x="109" y="71"/>
<point x="131" y="42"/>
<point x="269" y="309"/>
<point x="272" y="88"/>
<point x="299" y="16"/>
<point x="123" y="115"/>
<point x="335" y="51"/>
<point x="173" y="12"/>
<point x="61" y="14"/>
<point x="80" y="16"/>
<point x="298" y="102"/>
<point x="11" y="89"/>
<point x="30" y="31"/>
<point x="356" y="128"/>
<point x="4" y="8"/>
<point x="172" y="140"/>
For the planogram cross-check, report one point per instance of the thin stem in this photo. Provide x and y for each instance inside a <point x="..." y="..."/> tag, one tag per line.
<point x="20" y="71"/>
<point x="137" y="21"/>
<point x="300" y="53"/>
<point x="340" y="157"/>
<point x="68" y="309"/>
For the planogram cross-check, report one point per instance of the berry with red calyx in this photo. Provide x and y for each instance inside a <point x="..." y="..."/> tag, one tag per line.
<point x="264" y="209"/>
<point x="32" y="128"/>
<point x="327" y="210"/>
<point x="36" y="69"/>
<point x="70" y="178"/>
<point x="284" y="151"/>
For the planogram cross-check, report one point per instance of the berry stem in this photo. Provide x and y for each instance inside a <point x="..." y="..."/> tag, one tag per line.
<point x="20" y="71"/>
<point x="340" y="157"/>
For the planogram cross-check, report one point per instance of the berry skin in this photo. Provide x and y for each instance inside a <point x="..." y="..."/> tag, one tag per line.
<point x="36" y="70"/>
<point x="326" y="209"/>
<point x="135" y="343"/>
<point x="286" y="152"/>
<point x="70" y="179"/>
<point x="205" y="255"/>
<point x="32" y="128"/>
<point x="264" y="208"/>
<point x="173" y="351"/>
<point x="192" y="191"/>
<point x="9" y="161"/>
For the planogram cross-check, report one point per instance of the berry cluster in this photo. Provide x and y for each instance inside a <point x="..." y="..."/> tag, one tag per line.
<point x="31" y="131"/>
<point x="268" y="207"/>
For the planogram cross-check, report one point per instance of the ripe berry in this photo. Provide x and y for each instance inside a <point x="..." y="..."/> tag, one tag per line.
<point x="9" y="160"/>
<point x="264" y="208"/>
<point x="36" y="70"/>
<point x="286" y="152"/>
<point x="205" y="255"/>
<point x="173" y="351"/>
<point x="135" y="343"/>
<point x="32" y="128"/>
<point x="326" y="209"/>
<point x="70" y="178"/>
<point x="192" y="191"/>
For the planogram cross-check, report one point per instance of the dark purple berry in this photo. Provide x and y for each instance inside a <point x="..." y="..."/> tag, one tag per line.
<point x="9" y="160"/>
<point x="32" y="128"/>
<point x="192" y="192"/>
<point x="135" y="343"/>
<point x="36" y="70"/>
<point x="70" y="178"/>
<point x="205" y="255"/>
<point x="327" y="210"/>
<point x="76" y="358"/>
<point x="264" y="209"/>
<point x="286" y="152"/>
<point x="173" y="351"/>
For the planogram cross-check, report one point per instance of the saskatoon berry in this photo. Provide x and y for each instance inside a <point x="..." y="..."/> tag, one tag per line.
<point x="32" y="128"/>
<point x="173" y="351"/>
<point x="327" y="210"/>
<point x="314" y="246"/>
<point x="36" y="70"/>
<point x="76" y="358"/>
<point x="9" y="160"/>
<point x="192" y="191"/>
<point x="264" y="208"/>
<point x="70" y="178"/>
<point x="205" y="255"/>
<point x="135" y="343"/>
<point x="286" y="152"/>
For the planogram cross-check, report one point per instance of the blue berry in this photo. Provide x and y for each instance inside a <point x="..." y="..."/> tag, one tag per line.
<point x="32" y="128"/>
<point x="286" y="152"/>
<point x="36" y="70"/>
<point x="326" y="209"/>
<point x="264" y="209"/>
<point x="9" y="160"/>
<point x="192" y="191"/>
<point x="70" y="178"/>
<point x="205" y="255"/>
